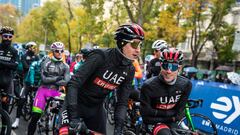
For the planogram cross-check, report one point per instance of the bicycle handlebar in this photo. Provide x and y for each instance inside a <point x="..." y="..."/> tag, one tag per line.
<point x="194" y="103"/>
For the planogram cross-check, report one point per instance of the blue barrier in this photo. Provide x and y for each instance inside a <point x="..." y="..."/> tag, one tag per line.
<point x="221" y="104"/>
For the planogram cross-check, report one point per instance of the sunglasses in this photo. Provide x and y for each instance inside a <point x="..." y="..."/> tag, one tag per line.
<point x="9" y="36"/>
<point x="58" y="51"/>
<point x="135" y="44"/>
<point x="172" y="66"/>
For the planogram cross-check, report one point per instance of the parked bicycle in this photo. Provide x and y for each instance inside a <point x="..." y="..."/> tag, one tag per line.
<point x="49" y="121"/>
<point x="109" y="105"/>
<point x="196" y="123"/>
<point x="5" y="120"/>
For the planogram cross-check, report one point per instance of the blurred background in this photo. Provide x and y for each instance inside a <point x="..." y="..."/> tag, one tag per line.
<point x="206" y="30"/>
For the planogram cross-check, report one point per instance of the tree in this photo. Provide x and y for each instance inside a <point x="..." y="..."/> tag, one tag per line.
<point x="8" y="15"/>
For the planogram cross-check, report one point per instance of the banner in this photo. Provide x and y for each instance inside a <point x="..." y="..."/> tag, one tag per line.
<point x="221" y="103"/>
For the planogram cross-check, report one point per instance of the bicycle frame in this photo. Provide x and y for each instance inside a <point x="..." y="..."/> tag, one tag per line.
<point x="189" y="118"/>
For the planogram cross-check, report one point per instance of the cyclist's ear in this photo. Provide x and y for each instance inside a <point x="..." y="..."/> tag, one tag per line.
<point x="180" y="68"/>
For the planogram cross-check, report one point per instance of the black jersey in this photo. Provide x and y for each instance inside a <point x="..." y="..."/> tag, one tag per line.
<point x="8" y="64"/>
<point x="163" y="102"/>
<point x="102" y="72"/>
<point x="154" y="67"/>
<point x="27" y="59"/>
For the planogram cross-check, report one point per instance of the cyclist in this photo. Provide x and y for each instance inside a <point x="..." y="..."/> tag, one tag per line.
<point x="137" y="81"/>
<point x="154" y="67"/>
<point x="29" y="57"/>
<point x="102" y="72"/>
<point x="164" y="96"/>
<point x="8" y="61"/>
<point x="8" y="64"/>
<point x="84" y="53"/>
<point x="54" y="75"/>
<point x="78" y="58"/>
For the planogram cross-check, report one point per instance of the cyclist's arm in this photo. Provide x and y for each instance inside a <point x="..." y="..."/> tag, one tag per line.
<point x="147" y="109"/>
<point x="78" y="79"/>
<point x="24" y="62"/>
<point x="183" y="101"/>
<point x="44" y="74"/>
<point x="31" y="73"/>
<point x="11" y="64"/>
<point x="66" y="78"/>
<point x="123" y="93"/>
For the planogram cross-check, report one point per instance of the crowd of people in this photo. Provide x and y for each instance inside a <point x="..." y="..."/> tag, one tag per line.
<point x="94" y="73"/>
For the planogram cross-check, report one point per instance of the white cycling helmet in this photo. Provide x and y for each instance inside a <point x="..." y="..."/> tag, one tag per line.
<point x="30" y="44"/>
<point x="159" y="45"/>
<point x="57" y="46"/>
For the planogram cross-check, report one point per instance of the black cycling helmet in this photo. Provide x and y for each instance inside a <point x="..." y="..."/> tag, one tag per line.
<point x="7" y="29"/>
<point x="85" y="52"/>
<point x="128" y="32"/>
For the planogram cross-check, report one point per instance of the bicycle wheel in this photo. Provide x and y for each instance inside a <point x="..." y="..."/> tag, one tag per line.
<point x="5" y="123"/>
<point x="129" y="132"/>
<point x="203" y="124"/>
<point x="110" y="110"/>
<point x="11" y="103"/>
<point x="27" y="108"/>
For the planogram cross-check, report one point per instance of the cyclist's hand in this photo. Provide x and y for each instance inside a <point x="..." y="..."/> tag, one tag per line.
<point x="5" y="99"/>
<point x="60" y="78"/>
<point x="64" y="130"/>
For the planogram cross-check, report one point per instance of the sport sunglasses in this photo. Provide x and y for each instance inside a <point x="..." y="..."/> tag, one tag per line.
<point x="9" y="36"/>
<point x="134" y="44"/>
<point x="172" y="66"/>
<point x="58" y="51"/>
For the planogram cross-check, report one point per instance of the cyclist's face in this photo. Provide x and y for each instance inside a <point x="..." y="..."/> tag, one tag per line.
<point x="157" y="53"/>
<point x="132" y="50"/>
<point x="169" y="71"/>
<point x="58" y="54"/>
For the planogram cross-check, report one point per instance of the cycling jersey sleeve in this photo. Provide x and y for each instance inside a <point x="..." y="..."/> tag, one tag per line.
<point x="31" y="73"/>
<point x="11" y="64"/>
<point x="93" y="61"/>
<point x="24" y="62"/>
<point x="66" y="78"/>
<point x="122" y="95"/>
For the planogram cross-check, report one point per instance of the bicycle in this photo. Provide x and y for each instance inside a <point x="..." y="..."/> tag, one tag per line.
<point x="5" y="120"/>
<point x="17" y="86"/>
<point x="49" y="121"/>
<point x="134" y="122"/>
<point x="109" y="105"/>
<point x="188" y="125"/>
<point x="27" y="107"/>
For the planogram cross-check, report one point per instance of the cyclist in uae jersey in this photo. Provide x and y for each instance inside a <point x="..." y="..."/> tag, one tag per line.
<point x="164" y="96"/>
<point x="54" y="75"/>
<point x="102" y="72"/>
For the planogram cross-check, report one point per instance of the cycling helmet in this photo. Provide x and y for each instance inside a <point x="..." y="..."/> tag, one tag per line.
<point x="7" y="29"/>
<point x="57" y="46"/>
<point x="159" y="45"/>
<point x="85" y="52"/>
<point x="128" y="32"/>
<point x="30" y="44"/>
<point x="172" y="55"/>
